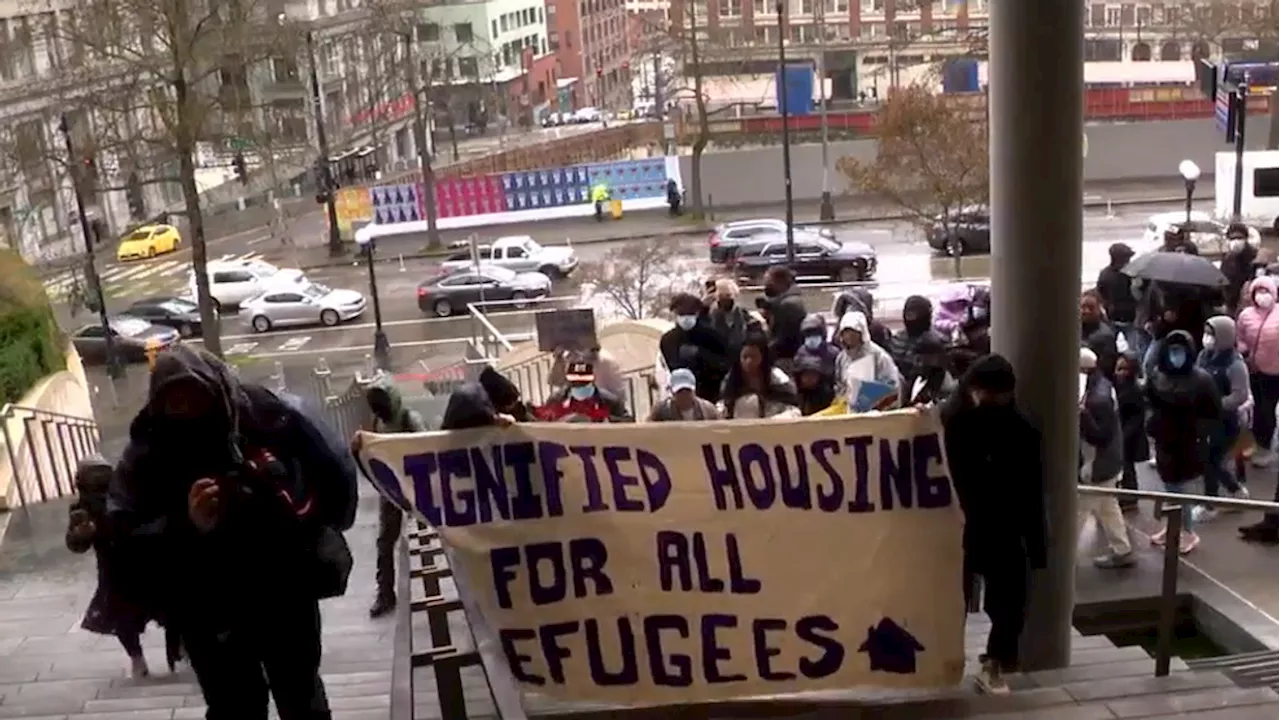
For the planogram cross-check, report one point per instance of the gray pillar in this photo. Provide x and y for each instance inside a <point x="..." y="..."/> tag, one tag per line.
<point x="1036" y="90"/>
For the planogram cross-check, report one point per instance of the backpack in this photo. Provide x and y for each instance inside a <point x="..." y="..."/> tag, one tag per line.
<point x="328" y="467"/>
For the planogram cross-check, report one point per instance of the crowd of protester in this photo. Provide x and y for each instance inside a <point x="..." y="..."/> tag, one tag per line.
<point x="223" y="521"/>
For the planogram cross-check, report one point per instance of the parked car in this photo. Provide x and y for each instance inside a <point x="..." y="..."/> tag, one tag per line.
<point x="815" y="257"/>
<point x="132" y="337"/>
<point x="289" y="303"/>
<point x="178" y="313"/>
<point x="585" y="115"/>
<point x="725" y="238"/>
<point x="148" y="241"/>
<point x="961" y="232"/>
<point x="232" y="282"/>
<point x="1207" y="232"/>
<point x="519" y="253"/>
<point x="450" y="293"/>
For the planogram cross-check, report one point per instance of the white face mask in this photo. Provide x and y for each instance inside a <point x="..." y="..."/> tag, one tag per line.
<point x="686" y="322"/>
<point x="1209" y="342"/>
<point x="1264" y="300"/>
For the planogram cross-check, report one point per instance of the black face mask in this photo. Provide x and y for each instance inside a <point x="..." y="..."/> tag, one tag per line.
<point x="916" y="325"/>
<point x="770" y="291"/>
<point x="725" y="305"/>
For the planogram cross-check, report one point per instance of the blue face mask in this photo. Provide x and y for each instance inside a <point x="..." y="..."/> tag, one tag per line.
<point x="582" y="393"/>
<point x="813" y="342"/>
<point x="686" y="322"/>
<point x="1176" y="357"/>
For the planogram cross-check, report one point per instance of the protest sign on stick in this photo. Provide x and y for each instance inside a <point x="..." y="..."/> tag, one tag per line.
<point x="682" y="563"/>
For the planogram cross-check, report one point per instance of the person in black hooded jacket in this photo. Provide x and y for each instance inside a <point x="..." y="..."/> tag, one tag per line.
<point x="694" y="344"/>
<point x="1185" y="406"/>
<point x="231" y="501"/>
<point x="994" y="453"/>
<point x="917" y="324"/>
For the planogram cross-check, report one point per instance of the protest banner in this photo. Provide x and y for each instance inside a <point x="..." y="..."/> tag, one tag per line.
<point x="684" y="563"/>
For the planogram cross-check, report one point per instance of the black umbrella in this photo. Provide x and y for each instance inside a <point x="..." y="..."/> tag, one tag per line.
<point x="1175" y="267"/>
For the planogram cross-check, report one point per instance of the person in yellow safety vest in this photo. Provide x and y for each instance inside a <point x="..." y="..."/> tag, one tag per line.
<point x="600" y="196"/>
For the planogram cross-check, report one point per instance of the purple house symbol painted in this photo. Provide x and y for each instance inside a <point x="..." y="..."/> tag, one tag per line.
<point x="890" y="648"/>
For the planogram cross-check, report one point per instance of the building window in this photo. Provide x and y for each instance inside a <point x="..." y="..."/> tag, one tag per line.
<point x="428" y="32"/>
<point x="873" y="6"/>
<point x="468" y="68"/>
<point x="462" y="31"/>
<point x="836" y="6"/>
<point x="284" y="70"/>
<point x="1097" y="16"/>
<point x="1114" y="16"/>
<point x="730" y="8"/>
<point x="493" y="30"/>
<point x="802" y="7"/>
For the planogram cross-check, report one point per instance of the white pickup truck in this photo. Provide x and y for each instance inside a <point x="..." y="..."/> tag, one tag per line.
<point x="520" y="253"/>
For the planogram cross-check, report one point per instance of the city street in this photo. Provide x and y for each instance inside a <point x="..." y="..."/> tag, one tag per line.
<point x="906" y="267"/>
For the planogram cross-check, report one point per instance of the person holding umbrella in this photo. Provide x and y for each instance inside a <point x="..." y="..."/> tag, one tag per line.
<point x="1183" y="284"/>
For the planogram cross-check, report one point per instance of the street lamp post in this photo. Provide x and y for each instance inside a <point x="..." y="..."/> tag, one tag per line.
<point x="324" y="174"/>
<point x="1190" y="174"/>
<point x="381" y="345"/>
<point x="826" y="211"/>
<point x="90" y="266"/>
<point x="786" y="133"/>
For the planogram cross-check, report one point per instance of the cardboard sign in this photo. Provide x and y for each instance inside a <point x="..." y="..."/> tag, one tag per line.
<point x="573" y="329"/>
<point x="683" y="562"/>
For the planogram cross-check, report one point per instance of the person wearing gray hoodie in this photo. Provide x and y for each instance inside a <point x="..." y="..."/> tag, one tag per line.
<point x="1224" y="364"/>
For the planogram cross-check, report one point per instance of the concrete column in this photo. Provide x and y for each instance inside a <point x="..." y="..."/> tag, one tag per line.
<point x="1036" y="107"/>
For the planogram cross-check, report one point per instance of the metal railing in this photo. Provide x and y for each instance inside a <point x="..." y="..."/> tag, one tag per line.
<point x="43" y="449"/>
<point x="1169" y="506"/>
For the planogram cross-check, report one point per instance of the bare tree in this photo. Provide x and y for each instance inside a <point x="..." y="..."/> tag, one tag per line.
<point x="167" y="78"/>
<point x="638" y="279"/>
<point x="931" y="160"/>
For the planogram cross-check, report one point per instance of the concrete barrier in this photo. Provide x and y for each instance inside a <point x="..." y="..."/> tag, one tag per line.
<point x="1118" y="152"/>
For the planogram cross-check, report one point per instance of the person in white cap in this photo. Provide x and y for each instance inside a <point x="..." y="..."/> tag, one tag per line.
<point x="1102" y="460"/>
<point x="683" y="403"/>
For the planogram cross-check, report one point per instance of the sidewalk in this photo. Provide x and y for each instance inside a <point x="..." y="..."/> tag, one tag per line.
<point x="310" y="254"/>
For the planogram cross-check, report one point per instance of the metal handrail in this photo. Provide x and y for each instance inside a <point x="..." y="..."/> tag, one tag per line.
<point x="1171" y="510"/>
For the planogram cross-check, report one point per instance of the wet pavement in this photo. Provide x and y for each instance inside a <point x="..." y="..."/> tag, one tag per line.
<point x="52" y="669"/>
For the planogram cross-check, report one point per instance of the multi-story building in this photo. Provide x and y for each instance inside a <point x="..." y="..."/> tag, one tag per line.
<point x="591" y="41"/>
<point x="491" y="62"/>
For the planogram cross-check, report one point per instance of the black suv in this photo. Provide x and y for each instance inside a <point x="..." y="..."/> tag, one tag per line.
<point x="816" y="257"/>
<point x="965" y="231"/>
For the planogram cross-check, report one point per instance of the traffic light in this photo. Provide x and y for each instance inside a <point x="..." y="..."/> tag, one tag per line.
<point x="242" y="170"/>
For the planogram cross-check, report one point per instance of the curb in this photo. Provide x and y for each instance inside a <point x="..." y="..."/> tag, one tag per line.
<point x="702" y="229"/>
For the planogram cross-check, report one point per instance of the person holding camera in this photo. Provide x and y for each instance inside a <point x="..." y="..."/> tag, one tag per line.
<point x="235" y="501"/>
<point x="785" y="312"/>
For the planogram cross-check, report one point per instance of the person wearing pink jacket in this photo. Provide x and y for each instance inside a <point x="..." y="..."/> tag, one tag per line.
<point x="1258" y="340"/>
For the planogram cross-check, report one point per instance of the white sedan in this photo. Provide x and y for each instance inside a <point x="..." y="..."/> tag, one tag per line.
<point x="1207" y="232"/>
<point x="304" y="303"/>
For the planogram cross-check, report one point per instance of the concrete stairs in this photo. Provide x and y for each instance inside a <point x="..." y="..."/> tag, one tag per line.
<point x="1104" y="682"/>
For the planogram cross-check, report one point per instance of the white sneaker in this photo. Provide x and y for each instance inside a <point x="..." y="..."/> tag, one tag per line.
<point x="990" y="679"/>
<point x="138" y="669"/>
<point x="1200" y="513"/>
<point x="1241" y="494"/>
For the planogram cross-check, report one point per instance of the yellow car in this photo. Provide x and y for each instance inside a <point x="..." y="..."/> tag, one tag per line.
<point x="149" y="241"/>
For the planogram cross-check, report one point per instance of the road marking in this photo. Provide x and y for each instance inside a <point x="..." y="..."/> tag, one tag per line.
<point x="243" y="348"/>
<point x="521" y="337"/>
<point x="294" y="344"/>
<point x="385" y="323"/>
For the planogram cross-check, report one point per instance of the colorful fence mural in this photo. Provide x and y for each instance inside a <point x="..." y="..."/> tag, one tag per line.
<point x="521" y="196"/>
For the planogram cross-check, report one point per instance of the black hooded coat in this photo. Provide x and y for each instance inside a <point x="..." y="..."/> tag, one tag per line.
<point x="995" y="461"/>
<point x="1185" y="407"/>
<point x="264" y="544"/>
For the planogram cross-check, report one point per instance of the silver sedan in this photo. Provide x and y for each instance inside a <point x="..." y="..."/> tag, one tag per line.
<point x="302" y="304"/>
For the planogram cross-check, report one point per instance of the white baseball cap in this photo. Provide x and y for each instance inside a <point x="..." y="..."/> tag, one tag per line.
<point x="682" y="379"/>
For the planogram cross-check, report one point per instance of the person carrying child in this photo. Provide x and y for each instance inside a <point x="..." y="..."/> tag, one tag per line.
<point x="110" y="612"/>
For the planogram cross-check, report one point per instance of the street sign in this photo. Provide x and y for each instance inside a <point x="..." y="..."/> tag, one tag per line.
<point x="1222" y="113"/>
